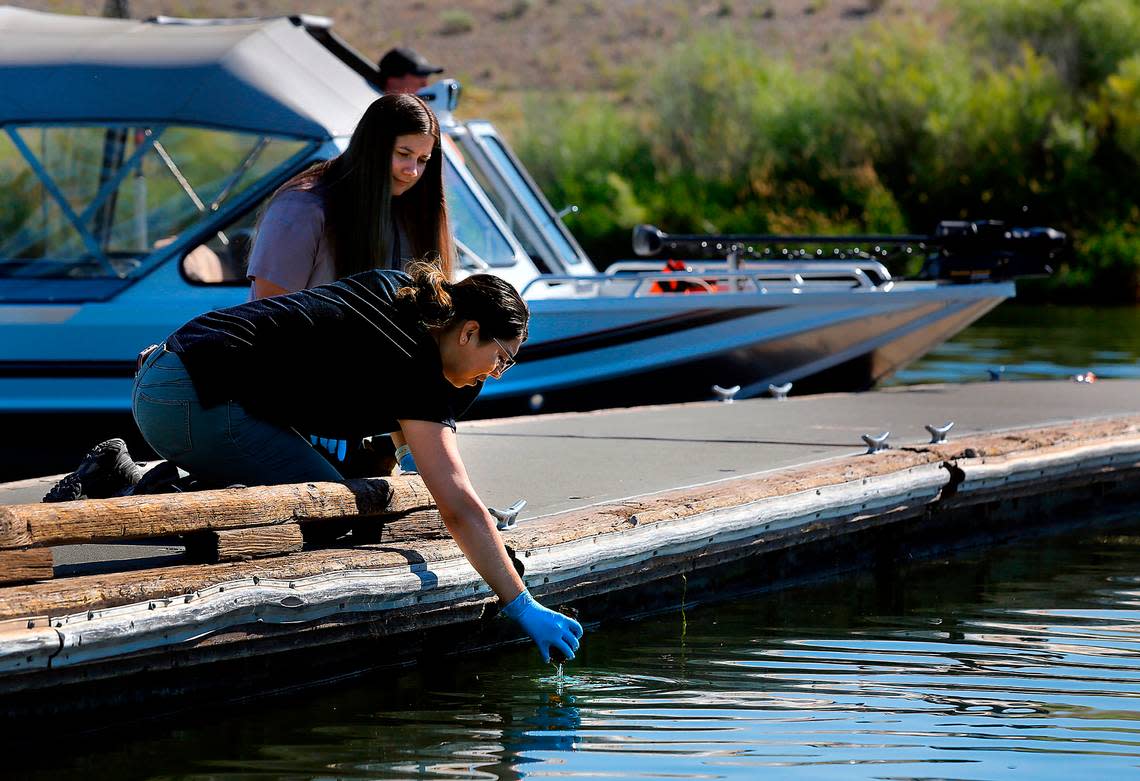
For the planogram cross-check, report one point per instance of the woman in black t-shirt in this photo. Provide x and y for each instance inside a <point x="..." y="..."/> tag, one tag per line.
<point x="222" y="397"/>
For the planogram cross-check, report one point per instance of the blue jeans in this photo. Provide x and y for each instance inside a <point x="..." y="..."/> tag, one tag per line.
<point x="222" y="444"/>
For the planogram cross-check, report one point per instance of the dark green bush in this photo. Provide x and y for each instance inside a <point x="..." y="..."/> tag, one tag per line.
<point x="1085" y="39"/>
<point x="592" y="154"/>
<point x="1108" y="270"/>
<point x="1029" y="114"/>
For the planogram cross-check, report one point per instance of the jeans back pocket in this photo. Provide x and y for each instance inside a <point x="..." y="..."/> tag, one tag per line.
<point x="164" y="423"/>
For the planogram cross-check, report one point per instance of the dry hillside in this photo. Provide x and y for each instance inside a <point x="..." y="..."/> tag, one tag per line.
<point x="501" y="46"/>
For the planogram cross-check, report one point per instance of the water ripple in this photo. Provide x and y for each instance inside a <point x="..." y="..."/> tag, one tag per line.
<point x="1017" y="661"/>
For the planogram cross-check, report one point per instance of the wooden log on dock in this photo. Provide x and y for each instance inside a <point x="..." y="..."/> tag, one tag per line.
<point x="23" y="566"/>
<point x="96" y="591"/>
<point x="160" y="515"/>
<point x="419" y="524"/>
<point x="244" y="544"/>
<point x="415" y="525"/>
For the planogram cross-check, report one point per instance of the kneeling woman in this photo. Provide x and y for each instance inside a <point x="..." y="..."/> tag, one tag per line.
<point x="224" y="399"/>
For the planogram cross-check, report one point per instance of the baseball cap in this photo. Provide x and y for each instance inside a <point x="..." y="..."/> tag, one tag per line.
<point x="401" y="61"/>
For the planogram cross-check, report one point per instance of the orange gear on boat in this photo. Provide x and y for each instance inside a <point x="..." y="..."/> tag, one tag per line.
<point x="681" y="285"/>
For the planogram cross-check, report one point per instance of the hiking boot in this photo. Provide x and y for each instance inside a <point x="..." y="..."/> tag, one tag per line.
<point x="68" y="489"/>
<point x="161" y="479"/>
<point x="107" y="470"/>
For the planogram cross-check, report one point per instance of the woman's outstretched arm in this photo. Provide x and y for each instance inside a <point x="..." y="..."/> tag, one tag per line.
<point x="473" y="529"/>
<point x="437" y="456"/>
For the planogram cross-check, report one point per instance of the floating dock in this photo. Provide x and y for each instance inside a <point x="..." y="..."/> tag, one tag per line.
<point x="168" y="600"/>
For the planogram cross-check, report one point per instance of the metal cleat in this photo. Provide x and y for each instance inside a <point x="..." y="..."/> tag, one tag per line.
<point x="726" y="394"/>
<point x="995" y="374"/>
<point x="938" y="433"/>
<point x="875" y="444"/>
<point x="779" y="392"/>
<point x="508" y="518"/>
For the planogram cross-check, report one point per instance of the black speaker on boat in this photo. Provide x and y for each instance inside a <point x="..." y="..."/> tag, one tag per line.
<point x="990" y="250"/>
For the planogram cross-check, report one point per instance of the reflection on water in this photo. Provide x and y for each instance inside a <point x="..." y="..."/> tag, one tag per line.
<point x="1036" y="342"/>
<point x="1021" y="661"/>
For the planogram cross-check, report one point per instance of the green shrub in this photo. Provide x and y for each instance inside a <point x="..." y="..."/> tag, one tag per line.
<point x="1104" y="266"/>
<point x="1116" y="112"/>
<point x="1085" y="39"/>
<point x="456" y="21"/>
<point x="903" y="130"/>
<point x="584" y="150"/>
<point x="758" y="145"/>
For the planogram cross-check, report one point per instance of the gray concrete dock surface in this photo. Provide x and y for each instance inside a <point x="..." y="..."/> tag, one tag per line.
<point x="571" y="461"/>
<point x="562" y="462"/>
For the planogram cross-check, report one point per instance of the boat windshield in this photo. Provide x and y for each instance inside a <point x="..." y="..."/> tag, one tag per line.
<point x="93" y="202"/>
<point x="472" y="222"/>
<point x="518" y="199"/>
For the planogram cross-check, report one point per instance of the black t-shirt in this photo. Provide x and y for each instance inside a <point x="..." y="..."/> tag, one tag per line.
<point x="341" y="360"/>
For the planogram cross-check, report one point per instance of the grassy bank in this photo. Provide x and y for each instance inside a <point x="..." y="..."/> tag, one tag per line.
<point x="1024" y="111"/>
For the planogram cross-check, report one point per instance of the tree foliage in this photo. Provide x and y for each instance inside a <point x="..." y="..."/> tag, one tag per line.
<point x="1028" y="112"/>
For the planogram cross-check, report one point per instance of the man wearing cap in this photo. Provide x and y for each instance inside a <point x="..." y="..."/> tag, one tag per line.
<point x="403" y="70"/>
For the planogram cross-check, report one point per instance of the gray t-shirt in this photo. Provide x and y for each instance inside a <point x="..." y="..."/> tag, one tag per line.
<point x="291" y="249"/>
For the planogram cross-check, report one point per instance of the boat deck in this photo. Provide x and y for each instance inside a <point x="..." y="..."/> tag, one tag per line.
<point x="628" y="511"/>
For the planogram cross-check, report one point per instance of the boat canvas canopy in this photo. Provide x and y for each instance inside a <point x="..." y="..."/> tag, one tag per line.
<point x="266" y="76"/>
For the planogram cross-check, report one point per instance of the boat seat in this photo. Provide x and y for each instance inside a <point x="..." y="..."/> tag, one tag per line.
<point x="203" y="265"/>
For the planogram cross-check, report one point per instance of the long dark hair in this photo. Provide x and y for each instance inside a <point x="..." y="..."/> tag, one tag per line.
<point x="488" y="300"/>
<point x="360" y="213"/>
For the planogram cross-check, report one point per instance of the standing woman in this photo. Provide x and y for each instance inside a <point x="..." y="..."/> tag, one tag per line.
<point x="375" y="205"/>
<point x="222" y="397"/>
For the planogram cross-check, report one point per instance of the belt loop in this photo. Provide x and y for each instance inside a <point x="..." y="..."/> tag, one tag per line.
<point x="147" y="353"/>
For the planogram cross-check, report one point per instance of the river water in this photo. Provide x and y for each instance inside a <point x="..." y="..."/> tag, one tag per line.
<point x="1036" y="342"/>
<point x="1014" y="662"/>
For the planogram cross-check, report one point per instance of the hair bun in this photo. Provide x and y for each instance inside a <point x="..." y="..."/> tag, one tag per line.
<point x="491" y="301"/>
<point x="430" y="290"/>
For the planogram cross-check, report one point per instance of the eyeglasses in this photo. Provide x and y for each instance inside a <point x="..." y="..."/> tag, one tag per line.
<point x="501" y="363"/>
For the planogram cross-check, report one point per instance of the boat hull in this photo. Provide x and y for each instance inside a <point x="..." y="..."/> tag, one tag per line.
<point x="820" y="343"/>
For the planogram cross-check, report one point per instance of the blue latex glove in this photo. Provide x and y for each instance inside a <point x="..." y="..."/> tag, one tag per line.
<point x="334" y="447"/>
<point x="550" y="631"/>
<point x="405" y="460"/>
